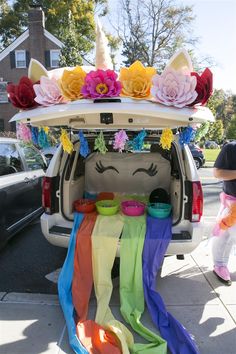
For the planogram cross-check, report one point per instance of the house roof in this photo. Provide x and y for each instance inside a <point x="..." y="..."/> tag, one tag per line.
<point x="23" y="37"/>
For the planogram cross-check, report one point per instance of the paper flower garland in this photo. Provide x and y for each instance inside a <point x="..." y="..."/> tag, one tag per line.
<point x="166" y="138"/>
<point x="66" y="143"/>
<point x="23" y="132"/>
<point x="48" y="92"/>
<point x="174" y="88"/>
<point x="187" y="135"/>
<point x="101" y="83"/>
<point x="137" y="143"/>
<point x="120" y="140"/>
<point x="43" y="139"/>
<point x="34" y="134"/>
<point x="100" y="144"/>
<point x="136" y="80"/>
<point x="22" y="95"/>
<point x="72" y="82"/>
<point x="84" y="147"/>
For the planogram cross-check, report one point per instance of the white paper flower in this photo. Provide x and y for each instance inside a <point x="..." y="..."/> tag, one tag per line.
<point x="174" y="88"/>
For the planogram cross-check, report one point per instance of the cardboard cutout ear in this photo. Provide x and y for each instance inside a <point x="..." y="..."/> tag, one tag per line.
<point x="36" y="70"/>
<point x="181" y="61"/>
<point x="103" y="59"/>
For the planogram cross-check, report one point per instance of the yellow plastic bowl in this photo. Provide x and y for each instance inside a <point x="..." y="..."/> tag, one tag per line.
<point x="107" y="207"/>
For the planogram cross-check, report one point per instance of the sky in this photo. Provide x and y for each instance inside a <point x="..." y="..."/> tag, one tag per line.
<point x="215" y="25"/>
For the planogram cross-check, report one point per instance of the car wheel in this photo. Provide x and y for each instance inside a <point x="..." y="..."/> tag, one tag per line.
<point x="197" y="163"/>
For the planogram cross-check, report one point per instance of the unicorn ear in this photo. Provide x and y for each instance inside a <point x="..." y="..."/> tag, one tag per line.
<point x="103" y="59"/>
<point x="181" y="61"/>
<point x="36" y="70"/>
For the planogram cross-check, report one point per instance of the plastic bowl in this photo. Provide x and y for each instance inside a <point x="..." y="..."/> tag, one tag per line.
<point x="159" y="210"/>
<point x="133" y="208"/>
<point x="84" y="205"/>
<point x="105" y="196"/>
<point x="107" y="207"/>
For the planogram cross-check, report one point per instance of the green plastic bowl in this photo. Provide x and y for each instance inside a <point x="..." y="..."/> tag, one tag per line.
<point x="159" y="210"/>
<point x="107" y="207"/>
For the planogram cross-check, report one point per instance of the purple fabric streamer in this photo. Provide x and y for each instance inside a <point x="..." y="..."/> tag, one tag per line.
<point x="158" y="235"/>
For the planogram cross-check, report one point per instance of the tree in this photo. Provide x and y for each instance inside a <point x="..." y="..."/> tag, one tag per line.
<point x="15" y="20"/>
<point x="231" y="130"/>
<point x="152" y="30"/>
<point x="216" y="131"/>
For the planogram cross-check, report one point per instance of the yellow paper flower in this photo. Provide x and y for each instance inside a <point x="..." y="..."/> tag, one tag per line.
<point x="46" y="129"/>
<point x="72" y="82"/>
<point x="166" y="139"/>
<point x="136" y="80"/>
<point x="66" y="143"/>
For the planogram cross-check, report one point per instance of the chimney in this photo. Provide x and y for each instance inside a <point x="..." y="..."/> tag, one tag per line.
<point x="36" y="33"/>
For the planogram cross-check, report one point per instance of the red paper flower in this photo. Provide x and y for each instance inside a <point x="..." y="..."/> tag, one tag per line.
<point x="204" y="86"/>
<point x="22" y="95"/>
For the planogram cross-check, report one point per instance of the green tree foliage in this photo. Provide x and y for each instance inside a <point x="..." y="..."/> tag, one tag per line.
<point x="216" y="131"/>
<point x="152" y="30"/>
<point x="15" y="19"/>
<point x="231" y="130"/>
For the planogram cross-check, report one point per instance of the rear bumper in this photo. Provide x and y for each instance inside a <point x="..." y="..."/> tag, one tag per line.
<point x="185" y="237"/>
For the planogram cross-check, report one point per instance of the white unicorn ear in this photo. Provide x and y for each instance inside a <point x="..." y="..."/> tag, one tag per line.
<point x="103" y="59"/>
<point x="181" y="61"/>
<point x="36" y="70"/>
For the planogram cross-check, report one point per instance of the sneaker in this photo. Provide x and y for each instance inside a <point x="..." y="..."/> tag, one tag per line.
<point x="223" y="274"/>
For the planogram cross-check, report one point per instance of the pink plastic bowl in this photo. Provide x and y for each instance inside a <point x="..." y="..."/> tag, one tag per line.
<point x="133" y="208"/>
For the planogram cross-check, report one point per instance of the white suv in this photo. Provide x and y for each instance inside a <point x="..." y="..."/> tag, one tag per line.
<point x="70" y="177"/>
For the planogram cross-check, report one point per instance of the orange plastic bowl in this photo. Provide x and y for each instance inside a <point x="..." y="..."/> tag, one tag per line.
<point x="84" y="205"/>
<point x="105" y="196"/>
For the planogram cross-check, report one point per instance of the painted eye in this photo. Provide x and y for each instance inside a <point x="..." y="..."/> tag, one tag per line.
<point x="101" y="169"/>
<point x="152" y="171"/>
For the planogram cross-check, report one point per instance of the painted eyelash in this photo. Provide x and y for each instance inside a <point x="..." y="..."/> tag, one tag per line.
<point x="100" y="168"/>
<point x="152" y="171"/>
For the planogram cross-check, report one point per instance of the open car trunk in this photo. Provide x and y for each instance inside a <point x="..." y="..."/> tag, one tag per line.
<point x="132" y="175"/>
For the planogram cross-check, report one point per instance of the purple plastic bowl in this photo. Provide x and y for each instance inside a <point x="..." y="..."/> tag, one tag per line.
<point x="133" y="208"/>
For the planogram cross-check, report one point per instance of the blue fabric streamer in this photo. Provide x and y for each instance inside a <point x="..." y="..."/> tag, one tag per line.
<point x="43" y="139"/>
<point x="34" y="134"/>
<point x="84" y="147"/>
<point x="158" y="235"/>
<point x="64" y="288"/>
<point x="187" y="135"/>
<point x="137" y="143"/>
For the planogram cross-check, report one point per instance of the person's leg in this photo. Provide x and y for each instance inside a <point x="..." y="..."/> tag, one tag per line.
<point x="221" y="249"/>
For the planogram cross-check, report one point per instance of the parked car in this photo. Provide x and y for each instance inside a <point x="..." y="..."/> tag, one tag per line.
<point x="49" y="152"/>
<point x="70" y="177"/>
<point x="210" y="144"/>
<point x="198" y="155"/>
<point x="22" y="168"/>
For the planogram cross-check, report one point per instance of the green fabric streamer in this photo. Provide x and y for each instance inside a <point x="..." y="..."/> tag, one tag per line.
<point x="131" y="284"/>
<point x="100" y="144"/>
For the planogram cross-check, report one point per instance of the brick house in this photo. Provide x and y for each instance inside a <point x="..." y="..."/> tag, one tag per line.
<point x="35" y="42"/>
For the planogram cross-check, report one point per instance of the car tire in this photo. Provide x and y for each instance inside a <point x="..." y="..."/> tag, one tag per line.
<point x="198" y="163"/>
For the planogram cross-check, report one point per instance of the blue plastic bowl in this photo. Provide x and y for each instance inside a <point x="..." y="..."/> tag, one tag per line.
<point x="159" y="210"/>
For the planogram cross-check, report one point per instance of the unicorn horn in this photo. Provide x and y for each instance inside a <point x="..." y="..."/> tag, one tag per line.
<point x="103" y="59"/>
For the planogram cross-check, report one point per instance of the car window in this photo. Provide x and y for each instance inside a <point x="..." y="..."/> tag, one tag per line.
<point x="10" y="161"/>
<point x="33" y="158"/>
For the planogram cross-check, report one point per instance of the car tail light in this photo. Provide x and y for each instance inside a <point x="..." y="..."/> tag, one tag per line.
<point x="46" y="194"/>
<point x="197" y="202"/>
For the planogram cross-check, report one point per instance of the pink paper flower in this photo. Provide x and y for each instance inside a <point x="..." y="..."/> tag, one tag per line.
<point x="174" y="88"/>
<point x="101" y="83"/>
<point x="22" y="95"/>
<point x="48" y="92"/>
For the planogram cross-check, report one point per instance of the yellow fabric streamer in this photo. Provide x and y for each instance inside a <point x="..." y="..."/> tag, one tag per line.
<point x="66" y="143"/>
<point x="166" y="138"/>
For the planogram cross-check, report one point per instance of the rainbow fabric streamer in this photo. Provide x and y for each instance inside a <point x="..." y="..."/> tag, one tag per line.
<point x="157" y="239"/>
<point x="131" y="284"/>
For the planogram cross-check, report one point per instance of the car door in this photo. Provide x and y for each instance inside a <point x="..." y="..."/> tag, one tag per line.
<point x="36" y="166"/>
<point x="14" y="189"/>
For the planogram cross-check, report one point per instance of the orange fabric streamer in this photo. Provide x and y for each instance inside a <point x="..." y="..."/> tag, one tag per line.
<point x="94" y="337"/>
<point x="230" y="219"/>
